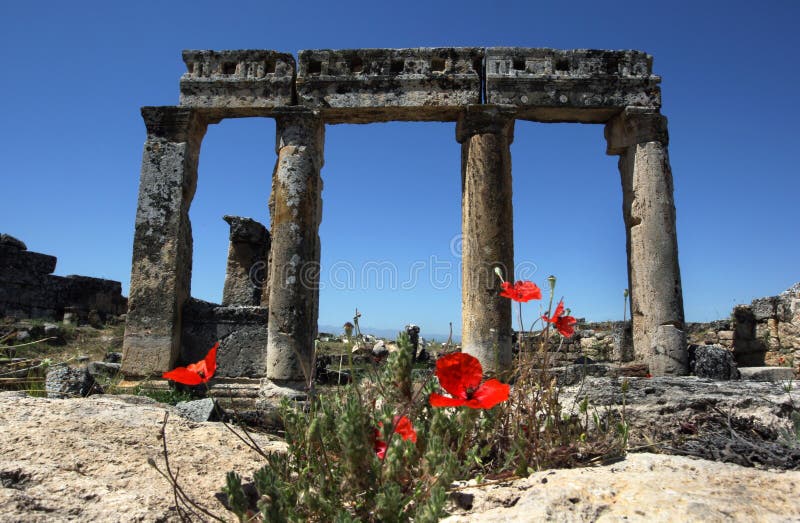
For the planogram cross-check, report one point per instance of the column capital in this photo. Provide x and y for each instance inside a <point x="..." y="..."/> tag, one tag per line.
<point x="485" y="119"/>
<point x="635" y="125"/>
<point x="297" y="126"/>
<point x="176" y="124"/>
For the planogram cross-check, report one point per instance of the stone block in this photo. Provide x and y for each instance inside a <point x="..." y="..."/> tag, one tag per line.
<point x="65" y="382"/>
<point x="553" y="85"/>
<point x="20" y="266"/>
<point x="668" y="353"/>
<point x="725" y="335"/>
<point x="199" y="411"/>
<point x="712" y="361"/>
<point x="765" y="308"/>
<point x="377" y="85"/>
<point x="247" y="262"/>
<point x="241" y="331"/>
<point x="767" y="373"/>
<point x="243" y="80"/>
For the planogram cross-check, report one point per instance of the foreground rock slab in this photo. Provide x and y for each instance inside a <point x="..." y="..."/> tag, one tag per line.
<point x="643" y="487"/>
<point x="86" y="459"/>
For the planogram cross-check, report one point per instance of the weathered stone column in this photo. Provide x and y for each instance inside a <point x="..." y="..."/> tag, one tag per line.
<point x="247" y="262"/>
<point x="485" y="134"/>
<point x="161" y="271"/>
<point x="296" y="210"/>
<point x="639" y="136"/>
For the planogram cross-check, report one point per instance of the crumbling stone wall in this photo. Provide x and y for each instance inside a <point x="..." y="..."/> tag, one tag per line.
<point x="240" y="330"/>
<point x="765" y="332"/>
<point x="28" y="289"/>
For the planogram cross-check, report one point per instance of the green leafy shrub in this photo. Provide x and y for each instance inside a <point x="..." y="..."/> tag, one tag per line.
<point x="387" y="446"/>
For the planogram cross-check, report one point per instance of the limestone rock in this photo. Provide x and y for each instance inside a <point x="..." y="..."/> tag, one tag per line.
<point x="712" y="361"/>
<point x="86" y="459"/>
<point x="743" y="422"/>
<point x="240" y="330"/>
<point x="643" y="487"/>
<point x="245" y="274"/>
<point x="205" y="409"/>
<point x="379" y="349"/>
<point x="103" y="369"/>
<point x="773" y="374"/>
<point x="65" y="382"/>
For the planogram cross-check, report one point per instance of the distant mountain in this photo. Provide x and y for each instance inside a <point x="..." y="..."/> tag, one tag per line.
<point x="391" y="333"/>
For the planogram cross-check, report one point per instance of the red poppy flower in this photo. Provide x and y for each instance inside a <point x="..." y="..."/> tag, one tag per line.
<point x="563" y="324"/>
<point x="521" y="291"/>
<point x="195" y="373"/>
<point x="403" y="427"/>
<point x="460" y="374"/>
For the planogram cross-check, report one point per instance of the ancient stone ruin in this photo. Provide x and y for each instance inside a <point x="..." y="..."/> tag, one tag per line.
<point x="483" y="91"/>
<point x="28" y="289"/>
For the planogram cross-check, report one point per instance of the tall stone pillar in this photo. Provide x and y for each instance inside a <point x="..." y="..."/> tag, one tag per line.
<point x="247" y="262"/>
<point x="639" y="137"/>
<point x="485" y="134"/>
<point x="296" y="210"/>
<point x="161" y="271"/>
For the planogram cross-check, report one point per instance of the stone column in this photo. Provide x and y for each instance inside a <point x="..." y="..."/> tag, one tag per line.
<point x="485" y="134"/>
<point x="246" y="271"/>
<point x="295" y="210"/>
<point x="161" y="271"/>
<point x="639" y="137"/>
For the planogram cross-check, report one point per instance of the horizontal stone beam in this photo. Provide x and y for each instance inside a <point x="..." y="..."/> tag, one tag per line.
<point x="238" y="79"/>
<point x="579" y="85"/>
<point x="365" y="85"/>
<point x="420" y="84"/>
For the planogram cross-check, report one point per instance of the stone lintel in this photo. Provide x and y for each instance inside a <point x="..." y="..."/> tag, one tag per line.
<point x="485" y="119"/>
<point x="240" y="78"/>
<point x="580" y="85"/>
<point x="174" y="124"/>
<point x="635" y="125"/>
<point x="363" y="85"/>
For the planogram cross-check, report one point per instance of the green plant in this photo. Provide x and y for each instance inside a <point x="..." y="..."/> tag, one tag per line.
<point x="348" y="458"/>
<point x="169" y="396"/>
<point x="333" y="470"/>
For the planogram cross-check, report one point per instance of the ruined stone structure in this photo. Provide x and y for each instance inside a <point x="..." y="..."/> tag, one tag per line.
<point x="765" y="332"/>
<point x="28" y="289"/>
<point x="482" y="90"/>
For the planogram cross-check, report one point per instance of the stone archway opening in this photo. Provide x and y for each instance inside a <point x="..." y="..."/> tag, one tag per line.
<point x="233" y="180"/>
<point x="568" y="216"/>
<point x="402" y="189"/>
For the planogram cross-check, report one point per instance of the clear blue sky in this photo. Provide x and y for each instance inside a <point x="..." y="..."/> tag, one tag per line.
<point x="74" y="75"/>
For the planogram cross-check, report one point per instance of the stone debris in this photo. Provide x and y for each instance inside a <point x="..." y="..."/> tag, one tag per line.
<point x="712" y="361"/>
<point x="643" y="487"/>
<point x="63" y="382"/>
<point x="205" y="409"/>
<point x="86" y="459"/>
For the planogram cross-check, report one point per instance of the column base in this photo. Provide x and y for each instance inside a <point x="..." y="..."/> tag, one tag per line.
<point x="669" y="355"/>
<point x="271" y="389"/>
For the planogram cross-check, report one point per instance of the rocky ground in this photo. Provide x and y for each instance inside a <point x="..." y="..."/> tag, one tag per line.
<point x="735" y="456"/>
<point x="85" y="459"/>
